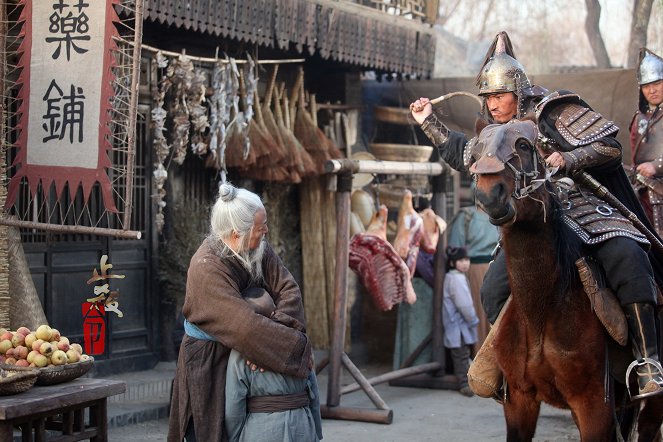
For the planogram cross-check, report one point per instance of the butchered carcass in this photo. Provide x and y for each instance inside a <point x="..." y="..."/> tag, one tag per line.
<point x="380" y="269"/>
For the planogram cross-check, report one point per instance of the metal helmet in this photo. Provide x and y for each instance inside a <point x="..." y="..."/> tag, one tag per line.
<point x="650" y="68"/>
<point x="501" y="72"/>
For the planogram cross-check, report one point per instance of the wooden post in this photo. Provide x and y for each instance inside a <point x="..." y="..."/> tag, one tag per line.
<point x="343" y="189"/>
<point x="439" y="207"/>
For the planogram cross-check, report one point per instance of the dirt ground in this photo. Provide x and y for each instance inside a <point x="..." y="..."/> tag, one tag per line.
<point x="420" y="415"/>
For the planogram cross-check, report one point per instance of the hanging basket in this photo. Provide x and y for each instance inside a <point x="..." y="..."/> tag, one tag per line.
<point x="14" y="380"/>
<point x="394" y="115"/>
<point x="401" y="152"/>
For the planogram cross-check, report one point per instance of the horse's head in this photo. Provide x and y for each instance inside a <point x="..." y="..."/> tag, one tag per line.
<point x="507" y="166"/>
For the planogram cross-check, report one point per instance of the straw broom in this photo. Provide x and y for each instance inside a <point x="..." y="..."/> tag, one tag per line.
<point x="307" y="162"/>
<point x="281" y="151"/>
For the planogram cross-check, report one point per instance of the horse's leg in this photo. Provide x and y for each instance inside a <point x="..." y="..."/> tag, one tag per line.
<point x="521" y="411"/>
<point x="650" y="420"/>
<point x="593" y="417"/>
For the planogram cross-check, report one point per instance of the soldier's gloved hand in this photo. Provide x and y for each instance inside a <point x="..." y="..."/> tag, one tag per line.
<point x="421" y="109"/>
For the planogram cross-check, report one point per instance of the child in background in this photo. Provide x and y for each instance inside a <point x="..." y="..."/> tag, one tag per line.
<point x="458" y="315"/>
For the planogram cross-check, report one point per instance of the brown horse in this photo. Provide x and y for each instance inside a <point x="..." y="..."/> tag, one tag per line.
<point x="550" y="345"/>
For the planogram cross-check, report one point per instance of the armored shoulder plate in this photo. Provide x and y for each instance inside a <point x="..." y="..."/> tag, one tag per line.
<point x="580" y="125"/>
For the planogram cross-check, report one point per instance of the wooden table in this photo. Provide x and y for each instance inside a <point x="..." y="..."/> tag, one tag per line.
<point x="60" y="408"/>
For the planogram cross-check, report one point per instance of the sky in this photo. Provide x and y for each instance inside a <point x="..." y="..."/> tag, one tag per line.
<point x="547" y="34"/>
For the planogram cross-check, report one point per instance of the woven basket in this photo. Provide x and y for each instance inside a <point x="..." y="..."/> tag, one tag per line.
<point x="63" y="373"/>
<point x="15" y="380"/>
<point x="401" y="152"/>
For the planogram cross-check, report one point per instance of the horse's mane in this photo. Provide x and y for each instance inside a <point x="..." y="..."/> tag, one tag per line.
<point x="567" y="247"/>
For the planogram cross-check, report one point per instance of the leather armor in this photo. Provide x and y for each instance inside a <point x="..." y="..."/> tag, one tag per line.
<point x="435" y="130"/>
<point x="591" y="218"/>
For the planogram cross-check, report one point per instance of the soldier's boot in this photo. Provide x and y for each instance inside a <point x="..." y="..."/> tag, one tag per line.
<point x="647" y="365"/>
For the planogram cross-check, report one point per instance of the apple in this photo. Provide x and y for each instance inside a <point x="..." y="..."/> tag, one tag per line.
<point x="59" y="357"/>
<point x="85" y="357"/>
<point x="2" y="331"/>
<point x="6" y="335"/>
<point x="55" y="334"/>
<point x="22" y="363"/>
<point x="43" y="332"/>
<point x="46" y="349"/>
<point x="24" y="331"/>
<point x="29" y="339"/>
<point x="40" y="360"/>
<point x="77" y="347"/>
<point x="10" y="353"/>
<point x="2" y="359"/>
<point x="21" y="352"/>
<point x="37" y="344"/>
<point x="63" y="344"/>
<point x="10" y="361"/>
<point x="73" y="356"/>
<point x="32" y="355"/>
<point x="18" y="339"/>
<point x="5" y="345"/>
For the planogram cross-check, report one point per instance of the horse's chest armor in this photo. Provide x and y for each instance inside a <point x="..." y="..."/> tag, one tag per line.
<point x="595" y="221"/>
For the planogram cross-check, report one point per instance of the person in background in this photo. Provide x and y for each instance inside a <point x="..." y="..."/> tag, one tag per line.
<point x="471" y="228"/>
<point x="234" y="257"/>
<point x="647" y="138"/>
<point x="458" y="315"/>
<point x="265" y="406"/>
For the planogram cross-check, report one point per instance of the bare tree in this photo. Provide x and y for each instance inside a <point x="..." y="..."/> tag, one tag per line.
<point x="594" y="33"/>
<point x="639" y="25"/>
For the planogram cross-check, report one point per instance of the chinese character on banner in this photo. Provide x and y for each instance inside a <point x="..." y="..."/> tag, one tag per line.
<point x="94" y="310"/>
<point x="65" y="107"/>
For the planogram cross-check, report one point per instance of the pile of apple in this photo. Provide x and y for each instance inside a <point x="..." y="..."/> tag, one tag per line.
<point x="40" y="348"/>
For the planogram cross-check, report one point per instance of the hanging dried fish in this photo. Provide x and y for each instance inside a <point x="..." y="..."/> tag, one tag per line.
<point x="198" y="112"/>
<point x="216" y="107"/>
<point x="180" y="72"/>
<point x="160" y="144"/>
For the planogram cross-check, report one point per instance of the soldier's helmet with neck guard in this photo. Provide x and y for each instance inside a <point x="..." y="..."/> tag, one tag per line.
<point x="650" y="69"/>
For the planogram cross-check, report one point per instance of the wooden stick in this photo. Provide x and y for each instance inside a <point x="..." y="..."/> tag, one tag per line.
<point x="128" y="234"/>
<point x="209" y="59"/>
<point x="444" y="97"/>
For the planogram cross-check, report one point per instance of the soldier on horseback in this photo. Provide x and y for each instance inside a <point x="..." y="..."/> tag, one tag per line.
<point x="573" y="138"/>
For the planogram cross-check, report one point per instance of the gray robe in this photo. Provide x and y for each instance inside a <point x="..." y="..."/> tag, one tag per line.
<point x="298" y="425"/>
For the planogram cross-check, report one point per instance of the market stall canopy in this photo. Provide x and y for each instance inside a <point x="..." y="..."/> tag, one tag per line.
<point x="340" y="31"/>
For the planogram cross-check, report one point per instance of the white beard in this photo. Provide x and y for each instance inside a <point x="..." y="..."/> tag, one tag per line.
<point x="252" y="261"/>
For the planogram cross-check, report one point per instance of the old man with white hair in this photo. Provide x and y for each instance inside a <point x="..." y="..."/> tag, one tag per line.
<point x="233" y="258"/>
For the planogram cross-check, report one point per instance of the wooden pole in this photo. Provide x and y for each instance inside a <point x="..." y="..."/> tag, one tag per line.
<point x="439" y="207"/>
<point x="343" y="189"/>
<point x="128" y="234"/>
<point x="396" y="374"/>
<point x="383" y="167"/>
<point x="133" y="107"/>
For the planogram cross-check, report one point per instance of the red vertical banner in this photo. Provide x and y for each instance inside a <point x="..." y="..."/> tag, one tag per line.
<point x="94" y="328"/>
<point x="65" y="97"/>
